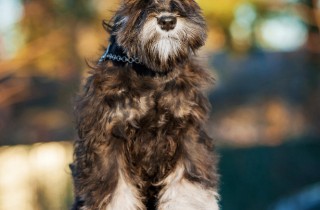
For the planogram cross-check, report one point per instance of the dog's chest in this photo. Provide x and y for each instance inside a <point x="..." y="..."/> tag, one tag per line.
<point x="154" y="118"/>
<point x="154" y="137"/>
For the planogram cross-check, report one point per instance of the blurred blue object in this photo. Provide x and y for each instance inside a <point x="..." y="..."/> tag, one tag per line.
<point x="308" y="199"/>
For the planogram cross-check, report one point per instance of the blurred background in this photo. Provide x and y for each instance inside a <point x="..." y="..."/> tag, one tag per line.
<point x="265" y="55"/>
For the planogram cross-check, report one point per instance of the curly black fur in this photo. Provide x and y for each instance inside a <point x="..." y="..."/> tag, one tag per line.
<point x="140" y="122"/>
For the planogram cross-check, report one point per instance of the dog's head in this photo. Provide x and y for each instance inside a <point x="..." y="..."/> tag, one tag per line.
<point x="161" y="33"/>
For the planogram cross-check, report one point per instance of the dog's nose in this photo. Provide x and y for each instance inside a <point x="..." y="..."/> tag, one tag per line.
<point x="167" y="23"/>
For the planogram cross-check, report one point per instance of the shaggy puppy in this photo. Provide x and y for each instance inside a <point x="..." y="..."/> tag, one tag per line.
<point x="141" y="113"/>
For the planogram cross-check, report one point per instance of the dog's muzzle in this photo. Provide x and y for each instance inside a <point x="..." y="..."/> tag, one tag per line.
<point x="167" y="23"/>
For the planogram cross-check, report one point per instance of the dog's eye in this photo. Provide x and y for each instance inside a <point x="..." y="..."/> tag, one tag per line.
<point x="173" y="6"/>
<point x="176" y="6"/>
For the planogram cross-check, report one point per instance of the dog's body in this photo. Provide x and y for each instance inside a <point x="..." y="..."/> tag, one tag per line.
<point x="141" y="145"/>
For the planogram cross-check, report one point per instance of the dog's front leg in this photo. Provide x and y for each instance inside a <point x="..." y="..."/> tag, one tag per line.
<point x="179" y="193"/>
<point x="126" y="195"/>
<point x="192" y="185"/>
<point x="101" y="179"/>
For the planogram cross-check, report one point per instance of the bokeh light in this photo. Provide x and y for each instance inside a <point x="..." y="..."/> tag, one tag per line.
<point x="10" y="15"/>
<point x="282" y="32"/>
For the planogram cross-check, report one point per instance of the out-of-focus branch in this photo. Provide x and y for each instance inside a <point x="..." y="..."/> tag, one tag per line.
<point x="15" y="88"/>
<point x="32" y="51"/>
<point x="13" y="91"/>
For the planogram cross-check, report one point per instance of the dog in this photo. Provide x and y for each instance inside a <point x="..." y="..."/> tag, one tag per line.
<point x="140" y="116"/>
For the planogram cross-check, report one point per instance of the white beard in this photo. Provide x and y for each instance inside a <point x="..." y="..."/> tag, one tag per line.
<point x="168" y="43"/>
